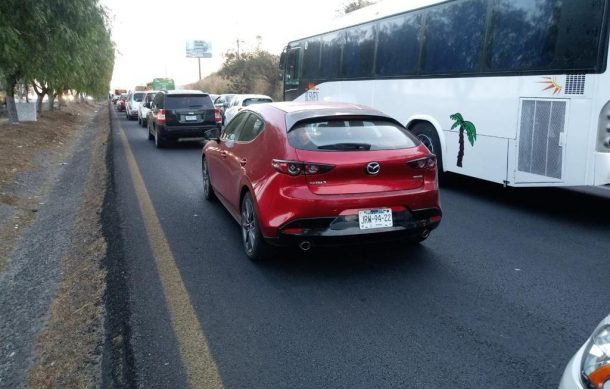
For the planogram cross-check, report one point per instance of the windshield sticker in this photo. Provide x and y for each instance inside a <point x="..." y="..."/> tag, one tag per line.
<point x="471" y="132"/>
<point x="551" y="83"/>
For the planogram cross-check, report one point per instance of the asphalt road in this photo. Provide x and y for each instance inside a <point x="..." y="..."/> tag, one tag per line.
<point x="501" y="295"/>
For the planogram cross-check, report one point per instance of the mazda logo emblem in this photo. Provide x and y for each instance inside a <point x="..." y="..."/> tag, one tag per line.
<point x="373" y="168"/>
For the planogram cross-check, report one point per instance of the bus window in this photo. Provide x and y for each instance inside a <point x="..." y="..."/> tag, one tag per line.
<point x="524" y="34"/>
<point x="398" y="45"/>
<point x="311" y="59"/>
<point x="359" y="52"/>
<point x="292" y="67"/>
<point x="331" y="55"/>
<point x="454" y="38"/>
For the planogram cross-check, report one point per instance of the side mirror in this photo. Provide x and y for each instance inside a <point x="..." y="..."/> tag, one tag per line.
<point x="212" y="134"/>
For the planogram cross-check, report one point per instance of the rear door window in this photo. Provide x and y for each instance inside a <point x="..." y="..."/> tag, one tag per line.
<point x="230" y="131"/>
<point x="188" y="101"/>
<point x="350" y="135"/>
<point x="251" y="128"/>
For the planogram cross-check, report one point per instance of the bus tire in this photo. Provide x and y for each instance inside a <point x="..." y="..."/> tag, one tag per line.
<point x="426" y="133"/>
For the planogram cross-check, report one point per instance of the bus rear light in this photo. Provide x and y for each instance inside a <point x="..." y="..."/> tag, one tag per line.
<point x="295" y="168"/>
<point x="161" y="116"/>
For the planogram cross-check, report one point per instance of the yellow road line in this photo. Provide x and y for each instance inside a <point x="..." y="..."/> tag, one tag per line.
<point x="200" y="366"/>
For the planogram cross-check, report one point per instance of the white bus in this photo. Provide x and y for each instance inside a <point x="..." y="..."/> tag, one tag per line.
<point x="510" y="91"/>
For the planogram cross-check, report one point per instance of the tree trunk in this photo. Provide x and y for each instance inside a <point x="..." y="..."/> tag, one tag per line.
<point x="41" y="94"/>
<point x="39" y="104"/>
<point x="51" y="101"/>
<point x="461" y="150"/>
<point x="10" y="99"/>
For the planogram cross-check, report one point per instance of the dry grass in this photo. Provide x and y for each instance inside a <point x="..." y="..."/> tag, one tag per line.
<point x="28" y="147"/>
<point x="69" y="349"/>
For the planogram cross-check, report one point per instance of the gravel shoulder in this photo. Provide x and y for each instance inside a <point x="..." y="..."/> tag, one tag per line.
<point x="52" y="274"/>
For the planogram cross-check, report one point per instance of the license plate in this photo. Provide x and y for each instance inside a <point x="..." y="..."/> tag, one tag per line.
<point x="375" y="218"/>
<point x="190" y="117"/>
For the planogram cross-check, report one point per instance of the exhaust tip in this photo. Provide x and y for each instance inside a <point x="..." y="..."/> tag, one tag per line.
<point x="305" y="245"/>
<point x="425" y="233"/>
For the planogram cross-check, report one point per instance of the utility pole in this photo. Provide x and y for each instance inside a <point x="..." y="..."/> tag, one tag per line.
<point x="199" y="66"/>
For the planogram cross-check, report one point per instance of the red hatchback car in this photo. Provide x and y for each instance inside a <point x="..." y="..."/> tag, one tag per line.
<point x="316" y="173"/>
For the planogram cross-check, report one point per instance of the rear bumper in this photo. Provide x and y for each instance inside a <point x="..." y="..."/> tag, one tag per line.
<point x="345" y="229"/>
<point x="177" y="132"/>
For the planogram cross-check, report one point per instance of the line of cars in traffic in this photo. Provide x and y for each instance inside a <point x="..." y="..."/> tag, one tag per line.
<point x="301" y="174"/>
<point x="319" y="173"/>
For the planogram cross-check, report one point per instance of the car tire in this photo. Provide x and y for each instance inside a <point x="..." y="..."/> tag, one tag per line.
<point x="139" y="120"/>
<point x="252" y="239"/>
<point x="159" y="141"/>
<point x="426" y="133"/>
<point x="208" y="190"/>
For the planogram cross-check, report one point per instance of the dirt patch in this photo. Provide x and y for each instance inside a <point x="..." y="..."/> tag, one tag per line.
<point x="70" y="348"/>
<point x="32" y="147"/>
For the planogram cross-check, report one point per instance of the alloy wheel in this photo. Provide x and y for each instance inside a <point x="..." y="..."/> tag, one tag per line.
<point x="248" y="225"/>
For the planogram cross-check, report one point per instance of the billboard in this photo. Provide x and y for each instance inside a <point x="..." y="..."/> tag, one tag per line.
<point x="198" y="49"/>
<point x="163" y="84"/>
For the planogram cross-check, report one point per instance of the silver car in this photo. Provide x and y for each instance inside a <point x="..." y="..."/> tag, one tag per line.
<point x="143" y="108"/>
<point x="589" y="368"/>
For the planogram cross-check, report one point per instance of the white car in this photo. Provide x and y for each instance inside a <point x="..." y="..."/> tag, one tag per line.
<point x="241" y="101"/>
<point x="143" y="109"/>
<point x="132" y="103"/>
<point x="589" y="368"/>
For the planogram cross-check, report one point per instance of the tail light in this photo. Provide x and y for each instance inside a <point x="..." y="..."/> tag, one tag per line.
<point x="161" y="115"/>
<point x="295" y="168"/>
<point x="423" y="163"/>
<point x="217" y="115"/>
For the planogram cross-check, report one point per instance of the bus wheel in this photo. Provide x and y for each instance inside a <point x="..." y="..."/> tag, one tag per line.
<point x="426" y="133"/>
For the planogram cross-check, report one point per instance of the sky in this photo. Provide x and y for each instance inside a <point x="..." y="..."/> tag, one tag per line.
<point x="150" y="35"/>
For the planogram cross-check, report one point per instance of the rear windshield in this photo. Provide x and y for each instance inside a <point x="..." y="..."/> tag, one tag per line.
<point x="255" y="101"/>
<point x="350" y="135"/>
<point x="138" y="97"/>
<point x="188" y="101"/>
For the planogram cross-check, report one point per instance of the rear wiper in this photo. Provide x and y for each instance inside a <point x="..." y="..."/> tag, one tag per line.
<point x="346" y="146"/>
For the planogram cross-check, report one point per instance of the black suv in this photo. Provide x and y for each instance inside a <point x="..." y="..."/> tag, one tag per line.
<point x="181" y="114"/>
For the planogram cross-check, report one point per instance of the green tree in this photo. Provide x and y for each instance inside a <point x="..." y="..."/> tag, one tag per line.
<point x="252" y="72"/>
<point x="21" y="24"/>
<point x="56" y="45"/>
<point x="471" y="132"/>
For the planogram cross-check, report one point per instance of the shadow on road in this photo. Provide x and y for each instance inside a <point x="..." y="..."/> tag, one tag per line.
<point x="370" y="260"/>
<point x="554" y="203"/>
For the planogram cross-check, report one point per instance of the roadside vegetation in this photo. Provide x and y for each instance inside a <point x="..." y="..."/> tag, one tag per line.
<point x="249" y="72"/>
<point x="54" y="46"/>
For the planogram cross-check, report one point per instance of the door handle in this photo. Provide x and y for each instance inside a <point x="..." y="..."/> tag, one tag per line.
<point x="243" y="161"/>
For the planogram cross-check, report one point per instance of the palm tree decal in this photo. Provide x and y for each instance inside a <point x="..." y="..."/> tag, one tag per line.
<point x="471" y="132"/>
